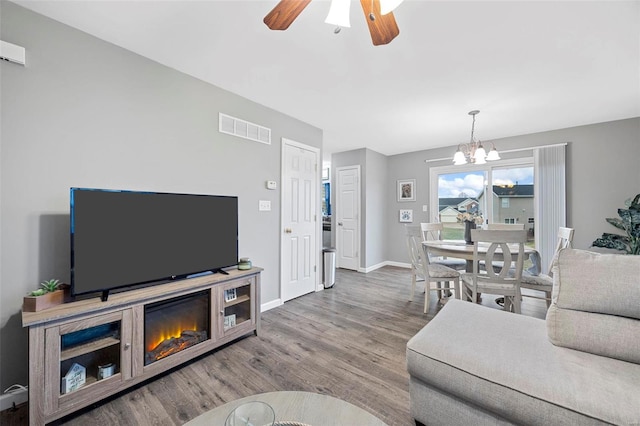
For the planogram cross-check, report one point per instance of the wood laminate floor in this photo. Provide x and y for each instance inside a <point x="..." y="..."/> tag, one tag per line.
<point x="348" y="342"/>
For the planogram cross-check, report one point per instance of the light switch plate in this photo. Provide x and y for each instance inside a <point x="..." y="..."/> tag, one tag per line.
<point x="424" y="208"/>
<point x="264" y="205"/>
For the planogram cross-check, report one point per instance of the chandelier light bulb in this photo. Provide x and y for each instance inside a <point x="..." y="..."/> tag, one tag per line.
<point x="493" y="154"/>
<point x="459" y="158"/>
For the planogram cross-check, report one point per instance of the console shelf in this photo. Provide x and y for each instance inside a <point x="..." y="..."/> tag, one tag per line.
<point x="89" y="347"/>
<point x="82" y="352"/>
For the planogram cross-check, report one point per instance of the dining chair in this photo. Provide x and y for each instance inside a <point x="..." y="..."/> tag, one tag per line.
<point x="544" y="282"/>
<point x="507" y="247"/>
<point x="433" y="231"/>
<point x="501" y="227"/>
<point x="421" y="269"/>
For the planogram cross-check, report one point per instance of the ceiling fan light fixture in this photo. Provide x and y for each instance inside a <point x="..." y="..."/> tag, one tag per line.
<point x="387" y="6"/>
<point x="339" y="14"/>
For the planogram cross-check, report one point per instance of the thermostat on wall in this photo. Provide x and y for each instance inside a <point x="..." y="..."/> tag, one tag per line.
<point x="271" y="184"/>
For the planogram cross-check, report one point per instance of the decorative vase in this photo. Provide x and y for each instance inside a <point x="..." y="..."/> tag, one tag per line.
<point x="468" y="226"/>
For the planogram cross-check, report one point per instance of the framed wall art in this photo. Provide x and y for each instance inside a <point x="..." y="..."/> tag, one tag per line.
<point x="406" y="216"/>
<point x="407" y="190"/>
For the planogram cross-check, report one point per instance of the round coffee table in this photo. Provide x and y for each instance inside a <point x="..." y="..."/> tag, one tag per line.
<point x="302" y="407"/>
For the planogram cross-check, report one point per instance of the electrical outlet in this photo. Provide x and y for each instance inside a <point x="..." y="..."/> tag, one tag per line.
<point x="264" y="205"/>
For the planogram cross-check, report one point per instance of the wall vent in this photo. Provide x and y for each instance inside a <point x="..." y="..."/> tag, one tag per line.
<point x="244" y="129"/>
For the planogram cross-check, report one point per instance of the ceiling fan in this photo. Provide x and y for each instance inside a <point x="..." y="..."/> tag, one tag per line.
<point x="383" y="27"/>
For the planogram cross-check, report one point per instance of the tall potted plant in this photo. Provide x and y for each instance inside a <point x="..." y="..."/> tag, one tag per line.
<point x="629" y="222"/>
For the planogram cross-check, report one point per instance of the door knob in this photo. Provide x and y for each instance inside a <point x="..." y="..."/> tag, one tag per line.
<point x="339" y="223"/>
<point x="287" y="230"/>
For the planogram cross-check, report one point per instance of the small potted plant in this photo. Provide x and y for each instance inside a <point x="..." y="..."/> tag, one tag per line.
<point x="50" y="293"/>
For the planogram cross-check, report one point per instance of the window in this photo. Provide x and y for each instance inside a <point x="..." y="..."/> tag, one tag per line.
<point x="501" y="192"/>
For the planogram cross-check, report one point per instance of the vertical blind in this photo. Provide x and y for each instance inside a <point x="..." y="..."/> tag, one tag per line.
<point x="550" y="187"/>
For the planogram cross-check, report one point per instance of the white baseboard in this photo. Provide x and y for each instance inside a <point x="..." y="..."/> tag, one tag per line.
<point x="8" y="399"/>
<point x="270" y="305"/>
<point x="385" y="263"/>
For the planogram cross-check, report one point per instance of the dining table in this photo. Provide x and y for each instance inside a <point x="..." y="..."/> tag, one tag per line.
<point x="459" y="249"/>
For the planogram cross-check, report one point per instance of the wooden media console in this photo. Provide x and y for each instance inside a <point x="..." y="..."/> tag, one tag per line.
<point x="84" y="351"/>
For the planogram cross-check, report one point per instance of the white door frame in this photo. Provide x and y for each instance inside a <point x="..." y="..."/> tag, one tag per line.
<point x="337" y="205"/>
<point x="318" y="252"/>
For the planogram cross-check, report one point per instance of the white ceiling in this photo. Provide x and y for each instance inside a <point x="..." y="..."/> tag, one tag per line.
<point x="528" y="66"/>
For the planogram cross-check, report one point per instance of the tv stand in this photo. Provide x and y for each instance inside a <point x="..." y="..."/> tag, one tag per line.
<point x="220" y="270"/>
<point x="117" y="338"/>
<point x="104" y="296"/>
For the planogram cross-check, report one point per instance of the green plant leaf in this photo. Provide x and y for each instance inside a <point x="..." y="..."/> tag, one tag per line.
<point x="630" y="223"/>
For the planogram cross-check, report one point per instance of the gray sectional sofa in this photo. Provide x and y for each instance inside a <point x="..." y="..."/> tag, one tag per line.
<point x="473" y="365"/>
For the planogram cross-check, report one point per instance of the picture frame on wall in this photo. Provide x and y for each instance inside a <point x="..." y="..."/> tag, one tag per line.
<point x="406" y="216"/>
<point x="407" y="190"/>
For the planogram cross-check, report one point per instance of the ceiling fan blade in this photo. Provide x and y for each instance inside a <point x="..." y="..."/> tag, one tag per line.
<point x="383" y="28"/>
<point x="285" y="13"/>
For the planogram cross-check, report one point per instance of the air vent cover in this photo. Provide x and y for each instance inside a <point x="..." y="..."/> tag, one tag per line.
<point x="244" y="129"/>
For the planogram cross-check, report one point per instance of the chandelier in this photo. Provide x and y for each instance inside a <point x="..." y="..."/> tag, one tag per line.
<point x="474" y="152"/>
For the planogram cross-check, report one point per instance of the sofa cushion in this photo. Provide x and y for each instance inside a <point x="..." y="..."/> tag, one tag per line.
<point x="505" y="364"/>
<point x="596" y="304"/>
<point x="606" y="335"/>
<point x="600" y="283"/>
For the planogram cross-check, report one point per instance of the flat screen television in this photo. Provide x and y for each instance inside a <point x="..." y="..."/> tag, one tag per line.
<point x="128" y="238"/>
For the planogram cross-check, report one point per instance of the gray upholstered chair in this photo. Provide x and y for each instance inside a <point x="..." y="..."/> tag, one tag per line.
<point x="433" y="231"/>
<point x="544" y="282"/>
<point x="496" y="280"/>
<point x="421" y="269"/>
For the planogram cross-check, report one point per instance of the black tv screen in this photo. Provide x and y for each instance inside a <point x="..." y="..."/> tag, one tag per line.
<point x="125" y="238"/>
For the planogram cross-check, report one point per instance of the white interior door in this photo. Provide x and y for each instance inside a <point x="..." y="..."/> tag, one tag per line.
<point x="348" y="218"/>
<point x="300" y="227"/>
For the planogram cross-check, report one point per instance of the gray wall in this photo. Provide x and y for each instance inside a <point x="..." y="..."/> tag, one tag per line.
<point x="603" y="170"/>
<point x="87" y="113"/>
<point x="375" y="202"/>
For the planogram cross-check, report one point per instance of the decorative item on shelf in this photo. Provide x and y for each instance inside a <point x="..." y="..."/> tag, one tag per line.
<point x="230" y="295"/>
<point x="473" y="151"/>
<point x="244" y="264"/>
<point x="106" y="370"/>
<point x="74" y="379"/>
<point x="229" y="321"/>
<point x="630" y="223"/>
<point x="51" y="293"/>
<point x="470" y="220"/>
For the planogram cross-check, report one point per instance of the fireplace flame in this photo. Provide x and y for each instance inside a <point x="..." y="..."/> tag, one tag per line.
<point x="170" y="331"/>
